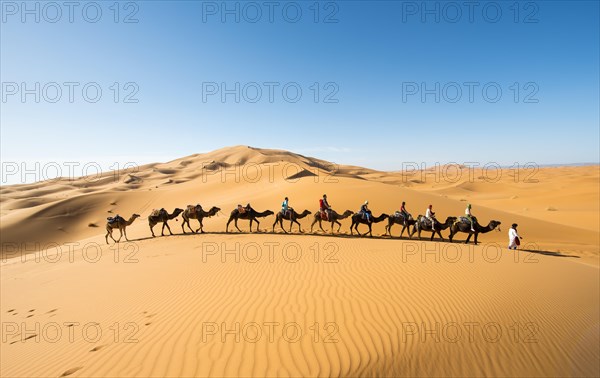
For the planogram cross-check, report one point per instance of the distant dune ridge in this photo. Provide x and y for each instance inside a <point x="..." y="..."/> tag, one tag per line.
<point x="375" y="302"/>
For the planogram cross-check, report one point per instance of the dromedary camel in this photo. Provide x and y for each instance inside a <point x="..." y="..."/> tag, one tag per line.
<point x="422" y="224"/>
<point x="465" y="226"/>
<point x="333" y="218"/>
<point x="196" y="212"/>
<point x="158" y="216"/>
<point x="119" y="223"/>
<point x="292" y="216"/>
<point x="399" y="219"/>
<point x="251" y="214"/>
<point x="358" y="219"/>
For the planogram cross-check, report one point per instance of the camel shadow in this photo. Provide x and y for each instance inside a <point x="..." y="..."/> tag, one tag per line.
<point x="548" y="253"/>
<point x="343" y="236"/>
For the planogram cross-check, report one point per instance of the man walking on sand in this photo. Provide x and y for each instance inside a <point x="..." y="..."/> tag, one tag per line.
<point x="513" y="237"/>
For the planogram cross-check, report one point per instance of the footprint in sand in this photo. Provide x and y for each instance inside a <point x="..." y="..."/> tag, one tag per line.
<point x="29" y="316"/>
<point x="71" y="371"/>
<point x="51" y="311"/>
<point x="11" y="310"/>
<point x="95" y="349"/>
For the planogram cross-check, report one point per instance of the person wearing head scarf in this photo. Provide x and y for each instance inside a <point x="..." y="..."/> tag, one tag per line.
<point x="365" y="210"/>
<point x="513" y="237"/>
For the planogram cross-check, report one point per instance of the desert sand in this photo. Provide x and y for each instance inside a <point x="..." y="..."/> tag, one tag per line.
<point x="301" y="304"/>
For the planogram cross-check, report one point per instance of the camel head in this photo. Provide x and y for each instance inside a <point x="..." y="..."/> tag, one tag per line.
<point x="306" y="212"/>
<point x="134" y="216"/>
<point x="268" y="212"/>
<point x="493" y="224"/>
<point x="176" y="212"/>
<point x="214" y="210"/>
<point x="347" y="213"/>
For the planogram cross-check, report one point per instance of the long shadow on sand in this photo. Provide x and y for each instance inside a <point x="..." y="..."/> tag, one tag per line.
<point x="347" y="236"/>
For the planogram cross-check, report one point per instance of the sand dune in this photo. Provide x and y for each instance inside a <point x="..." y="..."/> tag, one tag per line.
<point x="323" y="305"/>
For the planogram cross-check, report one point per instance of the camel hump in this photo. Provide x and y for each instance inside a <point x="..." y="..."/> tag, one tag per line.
<point x="155" y="212"/>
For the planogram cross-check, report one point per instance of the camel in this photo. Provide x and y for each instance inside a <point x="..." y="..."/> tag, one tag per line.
<point x="292" y="216"/>
<point x="333" y="218"/>
<point x="196" y="212"/>
<point x="121" y="224"/>
<point x="358" y="219"/>
<point x="421" y="226"/>
<point x="399" y="219"/>
<point x="162" y="216"/>
<point x="251" y="214"/>
<point x="466" y="227"/>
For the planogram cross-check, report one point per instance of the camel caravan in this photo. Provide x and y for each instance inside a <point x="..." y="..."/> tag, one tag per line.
<point x="422" y="223"/>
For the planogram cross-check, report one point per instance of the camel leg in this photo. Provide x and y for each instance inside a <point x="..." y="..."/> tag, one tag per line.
<point x="468" y="238"/>
<point x="312" y="225"/>
<point x="281" y="225"/>
<point x="370" y="230"/>
<point x="168" y="228"/>
<point x="258" y="225"/>
<point x="299" y="226"/>
<point x="151" y="230"/>
<point x="120" y="236"/>
<point x="274" y="223"/>
<point x="125" y="233"/>
<point x="162" y="230"/>
<point x="201" y="228"/>
<point x="227" y="227"/>
<point x="475" y="239"/>
<point x="440" y="234"/>
<point x="109" y="233"/>
<point x="236" y="225"/>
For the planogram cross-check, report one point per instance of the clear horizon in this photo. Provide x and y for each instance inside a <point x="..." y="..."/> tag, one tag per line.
<point x="372" y="84"/>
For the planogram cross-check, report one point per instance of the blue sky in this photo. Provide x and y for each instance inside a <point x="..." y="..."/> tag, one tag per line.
<point x="370" y="60"/>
